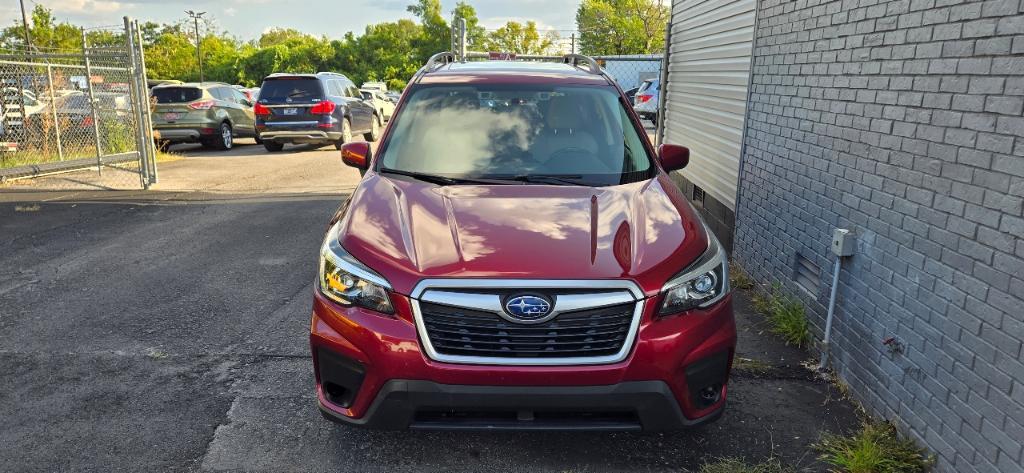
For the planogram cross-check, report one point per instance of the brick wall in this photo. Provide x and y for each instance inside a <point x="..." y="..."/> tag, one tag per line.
<point x="902" y="121"/>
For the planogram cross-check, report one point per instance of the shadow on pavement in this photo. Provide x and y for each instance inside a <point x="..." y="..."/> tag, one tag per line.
<point x="168" y="330"/>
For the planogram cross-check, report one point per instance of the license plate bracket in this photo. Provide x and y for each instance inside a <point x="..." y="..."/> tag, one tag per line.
<point x="289" y="111"/>
<point x="172" y="116"/>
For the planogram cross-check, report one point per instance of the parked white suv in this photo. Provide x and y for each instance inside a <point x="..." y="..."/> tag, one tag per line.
<point x="645" y="102"/>
<point x="378" y="86"/>
<point x="384" y="106"/>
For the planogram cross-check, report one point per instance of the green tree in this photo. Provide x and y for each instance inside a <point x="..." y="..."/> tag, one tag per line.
<point x="385" y="52"/>
<point x="171" y="56"/>
<point x="476" y="35"/>
<point x="622" y="26"/>
<point x="280" y="36"/>
<point x="47" y="35"/>
<point x="522" y="39"/>
<point x="435" y="35"/>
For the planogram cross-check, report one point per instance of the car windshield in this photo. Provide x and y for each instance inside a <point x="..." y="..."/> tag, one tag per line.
<point x="177" y="94"/>
<point x="582" y="135"/>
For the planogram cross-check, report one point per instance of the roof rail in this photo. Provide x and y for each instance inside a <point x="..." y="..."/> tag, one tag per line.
<point x="447" y="56"/>
<point x="575" y="59"/>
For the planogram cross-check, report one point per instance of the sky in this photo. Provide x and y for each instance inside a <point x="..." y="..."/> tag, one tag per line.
<point x="247" y="19"/>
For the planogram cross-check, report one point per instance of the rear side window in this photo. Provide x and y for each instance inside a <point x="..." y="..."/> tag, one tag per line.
<point x="648" y="84"/>
<point x="335" y="87"/>
<point x="177" y="94"/>
<point x="298" y="90"/>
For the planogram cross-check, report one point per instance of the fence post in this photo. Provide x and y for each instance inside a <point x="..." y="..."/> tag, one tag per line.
<point x="147" y="131"/>
<point x="659" y="134"/>
<point x="92" y="104"/>
<point x="53" y="111"/>
<point x="134" y="94"/>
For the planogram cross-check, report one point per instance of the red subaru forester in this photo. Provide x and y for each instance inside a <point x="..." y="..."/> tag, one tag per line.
<point x="517" y="257"/>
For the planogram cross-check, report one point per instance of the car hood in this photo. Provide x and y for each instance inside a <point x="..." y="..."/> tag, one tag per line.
<point x="408" y="230"/>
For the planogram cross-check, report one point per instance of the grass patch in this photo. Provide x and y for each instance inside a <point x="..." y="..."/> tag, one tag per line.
<point x="738" y="278"/>
<point x="786" y="316"/>
<point x="750" y="365"/>
<point x="733" y="465"/>
<point x="876" y="448"/>
<point x="167" y="156"/>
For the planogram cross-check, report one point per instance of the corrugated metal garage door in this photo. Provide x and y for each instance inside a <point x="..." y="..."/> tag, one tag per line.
<point x="708" y="73"/>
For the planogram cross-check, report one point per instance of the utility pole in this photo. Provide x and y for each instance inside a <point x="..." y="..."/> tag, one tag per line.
<point x="572" y="48"/>
<point x="195" y="17"/>
<point x="24" y="22"/>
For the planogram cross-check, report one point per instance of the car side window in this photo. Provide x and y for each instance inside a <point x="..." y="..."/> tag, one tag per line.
<point x="216" y="93"/>
<point x="238" y="96"/>
<point x="335" y="88"/>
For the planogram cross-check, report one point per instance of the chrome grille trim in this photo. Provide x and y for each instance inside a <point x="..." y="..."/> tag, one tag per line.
<point x="446" y="292"/>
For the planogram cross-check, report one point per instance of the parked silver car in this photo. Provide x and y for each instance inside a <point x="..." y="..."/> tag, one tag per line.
<point x="645" y="102"/>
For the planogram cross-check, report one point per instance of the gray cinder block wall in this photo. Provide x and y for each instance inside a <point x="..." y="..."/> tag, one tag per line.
<point x="901" y="120"/>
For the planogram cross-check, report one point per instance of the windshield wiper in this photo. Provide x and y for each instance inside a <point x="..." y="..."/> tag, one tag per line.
<point x="441" y="180"/>
<point x="560" y="179"/>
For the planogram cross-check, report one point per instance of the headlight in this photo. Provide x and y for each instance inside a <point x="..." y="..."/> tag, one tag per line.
<point x="701" y="284"/>
<point x="346" y="281"/>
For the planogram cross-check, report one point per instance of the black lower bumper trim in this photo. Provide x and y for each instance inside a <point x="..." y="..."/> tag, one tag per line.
<point x="414" y="404"/>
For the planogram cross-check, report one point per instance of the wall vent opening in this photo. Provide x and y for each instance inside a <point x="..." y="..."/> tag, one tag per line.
<point x="698" y="196"/>
<point x="807" y="275"/>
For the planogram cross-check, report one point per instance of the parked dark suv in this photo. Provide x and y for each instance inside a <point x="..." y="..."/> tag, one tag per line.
<point x="516" y="256"/>
<point x="319" y="108"/>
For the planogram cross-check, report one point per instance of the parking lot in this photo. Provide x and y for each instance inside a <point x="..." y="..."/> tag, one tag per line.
<point x="167" y="330"/>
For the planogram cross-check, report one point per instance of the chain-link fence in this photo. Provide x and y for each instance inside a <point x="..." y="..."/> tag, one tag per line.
<point x="82" y="110"/>
<point x="639" y="76"/>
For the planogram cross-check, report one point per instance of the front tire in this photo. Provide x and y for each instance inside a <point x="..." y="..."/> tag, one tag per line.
<point x="374" y="129"/>
<point x="346" y="134"/>
<point x="227" y="137"/>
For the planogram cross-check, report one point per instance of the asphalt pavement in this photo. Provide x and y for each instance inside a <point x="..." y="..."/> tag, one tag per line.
<point x="166" y="330"/>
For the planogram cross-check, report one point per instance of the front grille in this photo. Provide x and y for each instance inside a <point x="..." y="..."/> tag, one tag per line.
<point x="584" y="333"/>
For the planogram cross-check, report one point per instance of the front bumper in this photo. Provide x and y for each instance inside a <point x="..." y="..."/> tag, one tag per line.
<point x="417" y="404"/>
<point x="371" y="371"/>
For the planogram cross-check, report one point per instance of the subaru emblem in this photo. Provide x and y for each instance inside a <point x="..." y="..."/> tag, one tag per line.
<point x="528" y="308"/>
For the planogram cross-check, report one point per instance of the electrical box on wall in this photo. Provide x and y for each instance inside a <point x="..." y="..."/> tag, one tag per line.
<point x="843" y="242"/>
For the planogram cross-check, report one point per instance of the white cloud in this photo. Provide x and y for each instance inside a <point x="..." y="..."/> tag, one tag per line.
<point x="87" y="7"/>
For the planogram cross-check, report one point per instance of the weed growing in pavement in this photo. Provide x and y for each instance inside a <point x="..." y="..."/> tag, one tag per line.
<point x="876" y="448"/>
<point x="738" y="278"/>
<point x="750" y="365"/>
<point x="166" y="156"/>
<point x="786" y="316"/>
<point x="733" y="465"/>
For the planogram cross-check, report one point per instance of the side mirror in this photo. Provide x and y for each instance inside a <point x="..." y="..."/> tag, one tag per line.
<point x="356" y="154"/>
<point x="673" y="157"/>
